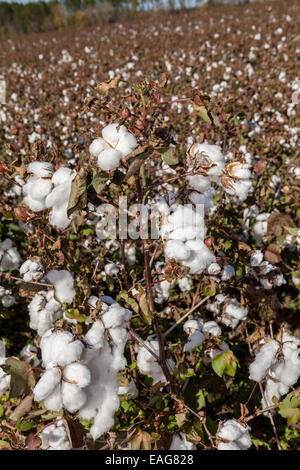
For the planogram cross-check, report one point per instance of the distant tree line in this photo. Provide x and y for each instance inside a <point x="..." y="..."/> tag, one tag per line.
<point x="38" y="16"/>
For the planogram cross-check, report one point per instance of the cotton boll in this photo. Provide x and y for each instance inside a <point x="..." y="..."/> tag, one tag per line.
<point x="8" y="301"/>
<point x="231" y="430"/>
<point x="73" y="397"/>
<point x="199" y="183"/>
<point x="111" y="269"/>
<point x="96" y="147"/>
<point x="227" y="273"/>
<point x="95" y="336"/>
<point x="40" y="169"/>
<point x="214" y="269"/>
<point x="77" y="373"/>
<point x="40" y="189"/>
<point x="9" y="256"/>
<point x="54" y="437"/>
<point x="181" y="443"/>
<point x="256" y="258"/>
<point x="207" y="157"/>
<point x="162" y="290"/>
<point x="185" y="284"/>
<point x="109" y="159"/>
<point x="31" y="271"/>
<point x="195" y="340"/>
<point x="130" y="254"/>
<point x="61" y="175"/>
<point x="234" y="436"/>
<point x="47" y="383"/>
<point x="116" y="316"/>
<point x="260" y="227"/>
<point x="63" y="282"/>
<point x="148" y="365"/>
<point x="177" y="249"/>
<point x="263" y="361"/>
<point x="60" y="348"/>
<point x="53" y="402"/>
<point x="228" y="446"/>
<point x="211" y="328"/>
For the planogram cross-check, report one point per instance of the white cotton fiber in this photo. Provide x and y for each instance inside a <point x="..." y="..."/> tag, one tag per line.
<point x="181" y="443"/>
<point x="47" y="383"/>
<point x="63" y="282"/>
<point x="60" y="348"/>
<point x="40" y="169"/>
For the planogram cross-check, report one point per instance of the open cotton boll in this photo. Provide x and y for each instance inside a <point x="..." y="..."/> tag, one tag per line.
<point x="40" y="189"/>
<point x="207" y="158"/>
<point x="162" y="290"/>
<point x="260" y="227"/>
<point x="177" y="249"/>
<point x="195" y="340"/>
<point x="116" y="316"/>
<point x="263" y="361"/>
<point x="63" y="282"/>
<point x="199" y="183"/>
<point x="148" y="365"/>
<point x="40" y="169"/>
<point x="31" y="270"/>
<point x="4" y="378"/>
<point x="105" y="359"/>
<point x="235" y="436"/>
<point x="130" y="254"/>
<point x="185" y="284"/>
<point x="111" y="269"/>
<point x="47" y="383"/>
<point x="214" y="269"/>
<point x="54" y="437"/>
<point x="73" y="397"/>
<point x="211" y="328"/>
<point x="116" y="143"/>
<point x="60" y="348"/>
<point x="77" y="373"/>
<point x="44" y="310"/>
<point x="181" y="443"/>
<point x="227" y="273"/>
<point x="9" y="256"/>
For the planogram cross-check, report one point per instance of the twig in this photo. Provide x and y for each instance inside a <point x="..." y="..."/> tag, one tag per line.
<point x="184" y="316"/>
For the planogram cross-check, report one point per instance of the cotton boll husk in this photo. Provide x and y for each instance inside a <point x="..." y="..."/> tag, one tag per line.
<point x="73" y="397"/>
<point x="60" y="348"/>
<point x="78" y="373"/>
<point x="40" y="169"/>
<point x="263" y="361"/>
<point x="47" y="383"/>
<point x="53" y="402"/>
<point x="63" y="282"/>
<point x="211" y="328"/>
<point x="181" y="443"/>
<point x="177" y="249"/>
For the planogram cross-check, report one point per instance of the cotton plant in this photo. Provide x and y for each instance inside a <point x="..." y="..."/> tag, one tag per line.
<point x="266" y="273"/>
<point x="228" y="311"/>
<point x="278" y="362"/>
<point x="232" y="435"/>
<point x="116" y="143"/>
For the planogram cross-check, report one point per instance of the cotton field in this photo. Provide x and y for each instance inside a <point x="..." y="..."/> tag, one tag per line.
<point x="150" y="233"/>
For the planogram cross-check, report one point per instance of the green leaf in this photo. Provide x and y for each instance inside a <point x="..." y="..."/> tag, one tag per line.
<point x="74" y="314"/>
<point x="225" y="363"/>
<point x="145" y="313"/>
<point x="289" y="408"/>
<point x="99" y="180"/>
<point x="4" y="444"/>
<point x="22" y="377"/>
<point x="25" y="425"/>
<point x="132" y="302"/>
<point x="169" y="156"/>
